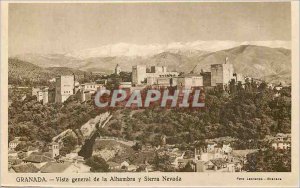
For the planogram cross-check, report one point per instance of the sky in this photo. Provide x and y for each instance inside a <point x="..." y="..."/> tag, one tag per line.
<point x="62" y="28"/>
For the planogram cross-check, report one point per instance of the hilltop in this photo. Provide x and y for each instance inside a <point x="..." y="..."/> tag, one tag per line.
<point x="22" y="70"/>
<point x="271" y="64"/>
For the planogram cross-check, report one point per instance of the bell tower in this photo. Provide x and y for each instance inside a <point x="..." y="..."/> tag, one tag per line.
<point x="117" y="69"/>
<point x="55" y="149"/>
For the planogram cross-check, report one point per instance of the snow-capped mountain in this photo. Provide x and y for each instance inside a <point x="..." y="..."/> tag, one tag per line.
<point x="132" y="50"/>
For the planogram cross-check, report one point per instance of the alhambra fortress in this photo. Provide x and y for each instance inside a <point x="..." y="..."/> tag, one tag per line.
<point x="143" y="76"/>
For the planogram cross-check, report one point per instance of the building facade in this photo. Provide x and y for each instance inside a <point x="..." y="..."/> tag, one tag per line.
<point x="13" y="144"/>
<point x="190" y="81"/>
<point x="152" y="76"/>
<point x="206" y="78"/>
<point x="35" y="91"/>
<point x="54" y="149"/>
<point x="65" y="86"/>
<point x="41" y="94"/>
<point x="139" y="74"/>
<point x="239" y="78"/>
<point x="51" y="95"/>
<point x="221" y="74"/>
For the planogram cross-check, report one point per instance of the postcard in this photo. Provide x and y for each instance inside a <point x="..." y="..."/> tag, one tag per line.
<point x="150" y="94"/>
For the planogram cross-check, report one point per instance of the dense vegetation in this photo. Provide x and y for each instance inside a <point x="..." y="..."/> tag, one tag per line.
<point x="269" y="160"/>
<point x="246" y="114"/>
<point x="31" y="119"/>
<point x="22" y="73"/>
<point x="97" y="164"/>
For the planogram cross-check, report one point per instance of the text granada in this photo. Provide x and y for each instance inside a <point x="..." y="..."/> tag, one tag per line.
<point x="31" y="179"/>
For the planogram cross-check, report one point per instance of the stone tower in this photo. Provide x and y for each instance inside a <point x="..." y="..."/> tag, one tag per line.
<point x="221" y="74"/>
<point x="55" y="149"/>
<point x="117" y="69"/>
<point x="64" y="88"/>
<point x="138" y="74"/>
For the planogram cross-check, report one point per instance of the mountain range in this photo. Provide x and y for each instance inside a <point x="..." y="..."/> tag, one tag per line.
<point x="271" y="64"/>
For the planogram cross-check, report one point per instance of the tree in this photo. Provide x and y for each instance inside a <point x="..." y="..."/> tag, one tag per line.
<point x="137" y="146"/>
<point x="116" y="125"/>
<point x="232" y="86"/>
<point x="163" y="163"/>
<point x="269" y="160"/>
<point x="125" y="76"/>
<point x="97" y="164"/>
<point x="187" y="168"/>
<point x="21" y="146"/>
<point x="69" y="144"/>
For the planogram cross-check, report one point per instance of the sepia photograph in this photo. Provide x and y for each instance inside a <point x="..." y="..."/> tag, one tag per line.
<point x="170" y="88"/>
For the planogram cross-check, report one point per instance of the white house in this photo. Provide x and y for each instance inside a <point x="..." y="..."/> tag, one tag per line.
<point x="13" y="144"/>
<point x="226" y="147"/>
<point x="124" y="165"/>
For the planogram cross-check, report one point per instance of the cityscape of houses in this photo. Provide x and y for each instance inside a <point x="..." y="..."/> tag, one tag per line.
<point x="216" y="157"/>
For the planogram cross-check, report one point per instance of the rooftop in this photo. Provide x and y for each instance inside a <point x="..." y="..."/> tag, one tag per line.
<point x="89" y="83"/>
<point x="55" y="167"/>
<point x="191" y="75"/>
<point x="218" y="162"/>
<point x="185" y="160"/>
<point x="14" y="142"/>
<point x="35" y="158"/>
<point x="113" y="164"/>
<point x="25" y="168"/>
<point x="243" y="153"/>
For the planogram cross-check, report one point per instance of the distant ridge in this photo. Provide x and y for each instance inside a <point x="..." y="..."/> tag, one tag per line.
<point x="272" y="64"/>
<point x="23" y="70"/>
